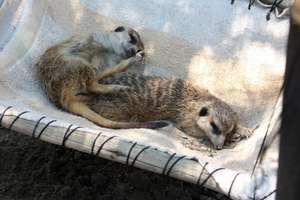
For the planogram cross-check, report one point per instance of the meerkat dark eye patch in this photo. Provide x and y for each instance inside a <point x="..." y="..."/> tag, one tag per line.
<point x="203" y="112"/>
<point x="133" y="39"/>
<point x="215" y="128"/>
<point x="119" y="29"/>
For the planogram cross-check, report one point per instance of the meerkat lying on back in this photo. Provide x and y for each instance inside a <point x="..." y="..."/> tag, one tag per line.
<point x="193" y="110"/>
<point x="76" y="66"/>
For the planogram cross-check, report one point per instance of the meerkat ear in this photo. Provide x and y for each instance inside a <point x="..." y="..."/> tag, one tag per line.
<point x="119" y="29"/>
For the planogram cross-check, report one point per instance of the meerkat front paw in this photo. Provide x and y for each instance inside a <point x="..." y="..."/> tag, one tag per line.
<point x="241" y="133"/>
<point x="247" y="132"/>
<point x="137" y="58"/>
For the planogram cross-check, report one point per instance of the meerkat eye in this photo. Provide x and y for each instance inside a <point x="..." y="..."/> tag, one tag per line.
<point x="203" y="112"/>
<point x="133" y="40"/>
<point x="119" y="29"/>
<point x="215" y="128"/>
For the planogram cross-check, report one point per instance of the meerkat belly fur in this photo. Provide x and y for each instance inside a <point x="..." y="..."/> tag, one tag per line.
<point x="192" y="109"/>
<point x="76" y="66"/>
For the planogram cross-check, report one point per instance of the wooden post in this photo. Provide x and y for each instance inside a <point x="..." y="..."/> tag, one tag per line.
<point x="289" y="159"/>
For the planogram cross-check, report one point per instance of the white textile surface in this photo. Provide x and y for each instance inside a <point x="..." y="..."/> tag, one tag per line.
<point x="233" y="52"/>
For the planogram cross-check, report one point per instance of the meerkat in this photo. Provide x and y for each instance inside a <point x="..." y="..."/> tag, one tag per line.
<point x="192" y="109"/>
<point x="75" y="66"/>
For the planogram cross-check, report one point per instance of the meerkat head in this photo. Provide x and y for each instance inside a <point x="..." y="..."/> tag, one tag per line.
<point x="127" y="42"/>
<point x="216" y="120"/>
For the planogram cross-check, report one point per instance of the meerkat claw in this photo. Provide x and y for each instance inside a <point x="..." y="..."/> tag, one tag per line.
<point x="138" y="58"/>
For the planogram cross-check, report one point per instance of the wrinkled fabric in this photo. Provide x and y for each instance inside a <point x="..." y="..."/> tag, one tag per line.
<point x="233" y="52"/>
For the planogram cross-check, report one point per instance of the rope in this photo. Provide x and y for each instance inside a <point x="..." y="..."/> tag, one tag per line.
<point x="274" y="7"/>
<point x="174" y="163"/>
<point x="67" y="134"/>
<point x="167" y="163"/>
<point x="94" y="143"/>
<point x="203" y="168"/>
<point x="102" y="145"/>
<point x="36" y="125"/>
<point x="45" y="127"/>
<point x="3" y="114"/>
<point x="210" y="175"/>
<point x="231" y="185"/>
<point x="17" y="117"/>
<point x="137" y="155"/>
<point x="266" y="134"/>
<point x="130" y="150"/>
<point x="274" y="191"/>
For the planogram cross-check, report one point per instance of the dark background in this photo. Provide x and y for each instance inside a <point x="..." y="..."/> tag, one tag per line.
<point x="32" y="169"/>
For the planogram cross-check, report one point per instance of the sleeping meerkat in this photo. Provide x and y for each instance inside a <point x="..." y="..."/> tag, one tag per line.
<point x="192" y="109"/>
<point x="75" y="67"/>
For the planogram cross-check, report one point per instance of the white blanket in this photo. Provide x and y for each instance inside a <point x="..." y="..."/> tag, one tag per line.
<point x="234" y="52"/>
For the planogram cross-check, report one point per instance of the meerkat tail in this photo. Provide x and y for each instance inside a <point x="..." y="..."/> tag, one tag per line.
<point x="127" y="125"/>
<point x="83" y="110"/>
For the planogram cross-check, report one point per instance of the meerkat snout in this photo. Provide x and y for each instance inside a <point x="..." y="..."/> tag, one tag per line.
<point x="216" y="122"/>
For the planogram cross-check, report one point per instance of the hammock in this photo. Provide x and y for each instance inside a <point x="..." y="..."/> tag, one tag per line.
<point x="233" y="52"/>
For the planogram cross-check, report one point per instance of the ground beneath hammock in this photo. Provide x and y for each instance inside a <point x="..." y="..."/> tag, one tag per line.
<point x="31" y="169"/>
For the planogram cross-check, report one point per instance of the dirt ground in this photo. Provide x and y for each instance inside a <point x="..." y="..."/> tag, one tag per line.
<point x="32" y="169"/>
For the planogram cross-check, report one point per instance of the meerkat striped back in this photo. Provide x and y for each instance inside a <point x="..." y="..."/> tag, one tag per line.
<point x="150" y="98"/>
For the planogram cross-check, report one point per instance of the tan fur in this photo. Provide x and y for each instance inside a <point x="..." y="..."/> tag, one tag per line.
<point x="76" y="65"/>
<point x="153" y="98"/>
